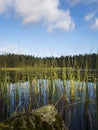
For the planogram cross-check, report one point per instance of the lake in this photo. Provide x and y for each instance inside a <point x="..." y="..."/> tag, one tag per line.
<point x="74" y="99"/>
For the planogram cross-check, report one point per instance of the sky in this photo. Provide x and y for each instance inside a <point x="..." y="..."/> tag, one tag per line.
<point x="48" y="27"/>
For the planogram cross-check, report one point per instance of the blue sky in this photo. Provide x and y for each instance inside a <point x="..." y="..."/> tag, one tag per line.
<point x="48" y="27"/>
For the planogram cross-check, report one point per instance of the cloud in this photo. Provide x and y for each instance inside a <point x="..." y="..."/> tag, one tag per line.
<point x="4" y="5"/>
<point x="46" y="11"/>
<point x="94" y="26"/>
<point x="89" y="16"/>
<point x="43" y="11"/>
<point x="64" y="22"/>
<point x="13" y="49"/>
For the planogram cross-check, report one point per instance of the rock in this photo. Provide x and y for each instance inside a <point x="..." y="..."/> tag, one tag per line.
<point x="44" y="118"/>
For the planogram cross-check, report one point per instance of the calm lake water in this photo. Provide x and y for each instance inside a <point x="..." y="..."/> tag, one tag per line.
<point x="79" y="110"/>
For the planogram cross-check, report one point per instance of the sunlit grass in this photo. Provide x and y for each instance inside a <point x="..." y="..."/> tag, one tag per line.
<point x="39" y="76"/>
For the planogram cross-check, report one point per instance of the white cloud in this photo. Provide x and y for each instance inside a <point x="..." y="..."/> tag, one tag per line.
<point x="94" y="26"/>
<point x="13" y="49"/>
<point x="62" y="17"/>
<point x="89" y="16"/>
<point x="44" y="11"/>
<point x="4" y="5"/>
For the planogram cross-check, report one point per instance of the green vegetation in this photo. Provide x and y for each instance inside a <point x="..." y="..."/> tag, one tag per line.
<point x="20" y="67"/>
<point x="44" y="118"/>
<point x="21" y="61"/>
<point x="48" y="80"/>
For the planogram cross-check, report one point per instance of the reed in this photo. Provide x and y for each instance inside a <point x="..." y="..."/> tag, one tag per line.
<point x="52" y="81"/>
<point x="64" y="77"/>
<point x="30" y="96"/>
<point x="97" y="90"/>
<point x="97" y="101"/>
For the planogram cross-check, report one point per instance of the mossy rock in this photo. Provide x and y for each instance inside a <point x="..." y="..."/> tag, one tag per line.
<point x="44" y="118"/>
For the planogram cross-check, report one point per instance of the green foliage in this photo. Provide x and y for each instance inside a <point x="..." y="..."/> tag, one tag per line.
<point x="14" y="60"/>
<point x="3" y="126"/>
<point x="44" y="118"/>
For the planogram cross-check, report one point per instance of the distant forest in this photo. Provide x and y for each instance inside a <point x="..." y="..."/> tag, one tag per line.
<point x="77" y="61"/>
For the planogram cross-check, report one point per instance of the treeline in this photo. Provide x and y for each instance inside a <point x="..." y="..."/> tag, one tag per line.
<point x="78" y="61"/>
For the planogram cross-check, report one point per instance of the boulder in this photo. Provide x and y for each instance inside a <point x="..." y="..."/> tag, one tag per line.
<point x="44" y="118"/>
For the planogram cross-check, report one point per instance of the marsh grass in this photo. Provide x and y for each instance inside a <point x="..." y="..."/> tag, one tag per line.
<point x="55" y="81"/>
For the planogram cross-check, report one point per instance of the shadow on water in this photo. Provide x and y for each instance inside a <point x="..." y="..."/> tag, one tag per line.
<point x="75" y="100"/>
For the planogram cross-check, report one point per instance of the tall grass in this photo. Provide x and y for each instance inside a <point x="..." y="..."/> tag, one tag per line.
<point x="51" y="79"/>
<point x="97" y="89"/>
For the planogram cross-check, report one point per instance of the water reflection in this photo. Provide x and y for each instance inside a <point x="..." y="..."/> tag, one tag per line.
<point x="79" y="113"/>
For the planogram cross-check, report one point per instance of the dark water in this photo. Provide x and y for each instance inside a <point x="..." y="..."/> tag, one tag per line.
<point x="79" y="113"/>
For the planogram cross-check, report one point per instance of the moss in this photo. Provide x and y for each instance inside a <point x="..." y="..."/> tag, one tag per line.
<point x="37" y="119"/>
<point x="4" y="127"/>
<point x="46" y="126"/>
<point x="29" y="125"/>
<point x="47" y="113"/>
<point x="44" y="118"/>
<point x="58" y="119"/>
<point x="16" y="124"/>
<point x="58" y="124"/>
<point x="38" y="122"/>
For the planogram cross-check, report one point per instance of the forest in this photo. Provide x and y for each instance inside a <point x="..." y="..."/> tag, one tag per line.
<point x="80" y="61"/>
